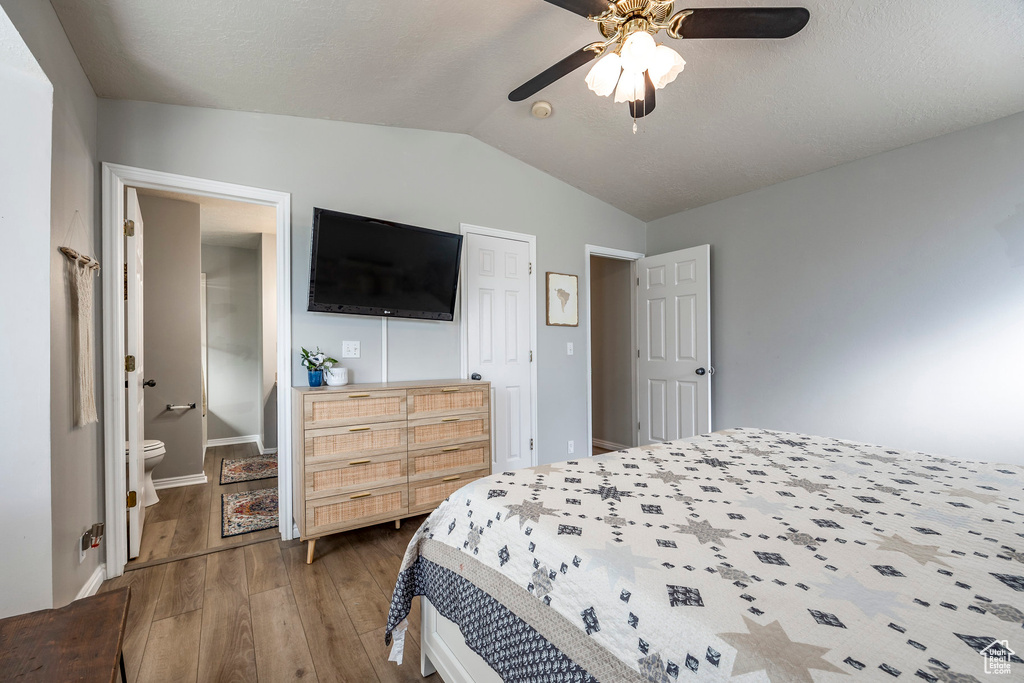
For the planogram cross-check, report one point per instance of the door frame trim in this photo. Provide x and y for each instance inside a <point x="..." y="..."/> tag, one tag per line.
<point x="620" y="255"/>
<point x="115" y="178"/>
<point x="531" y="240"/>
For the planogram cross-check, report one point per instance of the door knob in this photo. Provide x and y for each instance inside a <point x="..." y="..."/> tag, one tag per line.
<point x="700" y="371"/>
<point x="476" y="376"/>
<point x="149" y="383"/>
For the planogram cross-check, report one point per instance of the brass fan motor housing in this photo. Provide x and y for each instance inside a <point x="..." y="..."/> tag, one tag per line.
<point x="623" y="12"/>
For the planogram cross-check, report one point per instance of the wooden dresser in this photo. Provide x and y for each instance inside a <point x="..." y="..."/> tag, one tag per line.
<point x="371" y="453"/>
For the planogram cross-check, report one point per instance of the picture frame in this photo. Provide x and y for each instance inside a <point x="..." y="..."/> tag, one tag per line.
<point x="562" y="300"/>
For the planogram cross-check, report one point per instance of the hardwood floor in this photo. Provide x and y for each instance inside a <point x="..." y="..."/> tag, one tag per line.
<point x="260" y="613"/>
<point x="187" y="520"/>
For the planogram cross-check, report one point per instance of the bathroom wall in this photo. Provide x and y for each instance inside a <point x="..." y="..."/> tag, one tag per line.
<point x="171" y="338"/>
<point x="233" y="312"/>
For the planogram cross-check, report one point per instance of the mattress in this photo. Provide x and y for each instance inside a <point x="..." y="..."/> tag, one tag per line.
<point x="768" y="555"/>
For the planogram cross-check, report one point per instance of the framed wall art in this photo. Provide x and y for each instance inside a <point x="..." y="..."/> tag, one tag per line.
<point x="563" y="300"/>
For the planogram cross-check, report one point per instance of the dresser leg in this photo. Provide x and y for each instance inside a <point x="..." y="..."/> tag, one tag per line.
<point x="398" y="524"/>
<point x="310" y="545"/>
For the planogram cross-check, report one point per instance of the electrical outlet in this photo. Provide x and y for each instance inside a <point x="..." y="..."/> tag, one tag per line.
<point x="350" y="349"/>
<point x="572" y="448"/>
<point x="568" y="348"/>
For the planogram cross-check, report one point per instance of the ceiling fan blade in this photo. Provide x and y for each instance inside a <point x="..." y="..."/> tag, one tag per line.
<point x="584" y="8"/>
<point x="641" y="108"/>
<point x="552" y="74"/>
<point x="743" y="22"/>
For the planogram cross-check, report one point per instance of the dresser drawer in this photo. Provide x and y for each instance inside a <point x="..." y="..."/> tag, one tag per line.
<point x="426" y="495"/>
<point x="337" y="513"/>
<point x="431" y="463"/>
<point x="448" y="431"/>
<point x="340" y="408"/>
<point x="448" y="401"/>
<point x="359" y="441"/>
<point x="355" y="474"/>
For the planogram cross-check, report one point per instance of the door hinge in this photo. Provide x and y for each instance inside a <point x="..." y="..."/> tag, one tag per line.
<point x="638" y="426"/>
<point x="129" y="363"/>
<point x="131" y="500"/>
<point x="638" y="282"/>
<point x="531" y="444"/>
<point x="531" y="269"/>
<point x="638" y="353"/>
<point x="129" y="228"/>
<point x="531" y="356"/>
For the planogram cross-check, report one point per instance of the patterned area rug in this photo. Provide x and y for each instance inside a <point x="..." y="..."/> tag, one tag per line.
<point x="234" y="470"/>
<point x="248" y="511"/>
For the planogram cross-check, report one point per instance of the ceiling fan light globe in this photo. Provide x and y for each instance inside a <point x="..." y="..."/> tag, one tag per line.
<point x="605" y="74"/>
<point x="631" y="87"/>
<point x="638" y="51"/>
<point x="666" y="65"/>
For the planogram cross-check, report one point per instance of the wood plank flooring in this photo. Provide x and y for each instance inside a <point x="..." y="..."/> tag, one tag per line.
<point x="187" y="520"/>
<point x="260" y="613"/>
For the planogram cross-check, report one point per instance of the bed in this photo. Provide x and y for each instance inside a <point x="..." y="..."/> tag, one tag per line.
<point x="744" y="553"/>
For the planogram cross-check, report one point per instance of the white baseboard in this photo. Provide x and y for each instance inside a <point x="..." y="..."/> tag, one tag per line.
<point x="610" y="445"/>
<point x="264" y="450"/>
<point x="93" y="584"/>
<point x="174" y="482"/>
<point x="233" y="440"/>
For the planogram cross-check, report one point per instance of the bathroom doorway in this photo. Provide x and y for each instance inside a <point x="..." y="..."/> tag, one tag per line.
<point x="206" y="415"/>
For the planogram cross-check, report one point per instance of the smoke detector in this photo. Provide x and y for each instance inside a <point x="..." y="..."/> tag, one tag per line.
<point x="541" y="109"/>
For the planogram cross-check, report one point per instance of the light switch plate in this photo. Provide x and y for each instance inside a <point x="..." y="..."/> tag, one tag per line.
<point x="350" y="349"/>
<point x="568" y="348"/>
<point x="572" y="448"/>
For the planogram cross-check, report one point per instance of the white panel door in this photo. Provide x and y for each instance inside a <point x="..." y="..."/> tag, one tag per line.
<point x="674" y="339"/>
<point x="133" y="347"/>
<point x="497" y="287"/>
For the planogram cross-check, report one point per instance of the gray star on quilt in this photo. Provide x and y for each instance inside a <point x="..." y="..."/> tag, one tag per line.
<point x="800" y="538"/>
<point x="653" y="669"/>
<point x="867" y="600"/>
<point x="808" y="485"/>
<point x="704" y="531"/>
<point x="976" y="495"/>
<point x="733" y="574"/>
<point x="1003" y="611"/>
<point x="619" y="562"/>
<point x="614" y="520"/>
<point x="538" y="486"/>
<point x="683" y="498"/>
<point x="668" y="477"/>
<point x="529" y="510"/>
<point x="923" y="554"/>
<point x="549" y="468"/>
<point x="879" y="458"/>
<point x="768" y="507"/>
<point x="607" y="492"/>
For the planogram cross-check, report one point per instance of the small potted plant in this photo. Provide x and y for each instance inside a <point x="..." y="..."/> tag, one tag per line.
<point x="315" y="363"/>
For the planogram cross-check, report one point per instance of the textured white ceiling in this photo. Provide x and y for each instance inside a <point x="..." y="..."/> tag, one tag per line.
<point x="226" y="223"/>
<point x="863" y="77"/>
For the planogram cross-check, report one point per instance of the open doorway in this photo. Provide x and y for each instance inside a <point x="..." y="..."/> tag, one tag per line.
<point x="200" y="362"/>
<point x="209" y="346"/>
<point x="611" y="348"/>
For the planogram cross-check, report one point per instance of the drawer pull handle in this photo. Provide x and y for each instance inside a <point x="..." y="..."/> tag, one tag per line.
<point x="359" y="462"/>
<point x="450" y="449"/>
<point x="359" y="429"/>
<point x="450" y="419"/>
<point x="359" y="495"/>
<point x="450" y="389"/>
<point x="451" y="478"/>
<point x="359" y="396"/>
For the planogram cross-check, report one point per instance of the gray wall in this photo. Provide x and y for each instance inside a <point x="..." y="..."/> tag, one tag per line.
<point x="25" y="114"/>
<point x="171" y="335"/>
<point x="74" y="455"/>
<point x="436" y="180"/>
<point x="233" y="340"/>
<point x="268" y="325"/>
<point x="611" y="347"/>
<point x="881" y="300"/>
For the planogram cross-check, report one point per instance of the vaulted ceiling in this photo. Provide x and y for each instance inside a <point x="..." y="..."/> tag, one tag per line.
<point x="863" y="77"/>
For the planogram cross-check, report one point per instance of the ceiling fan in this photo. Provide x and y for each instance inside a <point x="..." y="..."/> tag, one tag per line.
<point x="633" y="65"/>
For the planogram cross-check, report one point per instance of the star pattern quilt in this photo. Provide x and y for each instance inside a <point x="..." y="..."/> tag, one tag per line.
<point x="744" y="553"/>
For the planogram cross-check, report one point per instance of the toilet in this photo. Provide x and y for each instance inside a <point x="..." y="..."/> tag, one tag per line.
<point x="153" y="453"/>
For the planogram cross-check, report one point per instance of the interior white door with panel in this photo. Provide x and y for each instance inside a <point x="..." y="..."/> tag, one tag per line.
<point x="497" y="287"/>
<point x="133" y="368"/>
<point x="674" y="342"/>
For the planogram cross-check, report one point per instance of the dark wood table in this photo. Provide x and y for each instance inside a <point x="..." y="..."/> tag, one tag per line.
<point x="80" y="642"/>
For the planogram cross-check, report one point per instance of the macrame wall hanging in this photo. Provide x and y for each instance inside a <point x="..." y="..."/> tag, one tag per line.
<point x="82" y="269"/>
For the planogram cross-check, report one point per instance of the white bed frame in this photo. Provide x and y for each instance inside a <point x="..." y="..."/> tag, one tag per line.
<point x="443" y="649"/>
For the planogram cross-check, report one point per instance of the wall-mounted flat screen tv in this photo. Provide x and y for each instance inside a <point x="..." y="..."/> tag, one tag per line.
<point x="368" y="266"/>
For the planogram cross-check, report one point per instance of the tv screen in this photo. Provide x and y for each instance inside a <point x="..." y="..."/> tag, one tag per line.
<point x="367" y="266"/>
